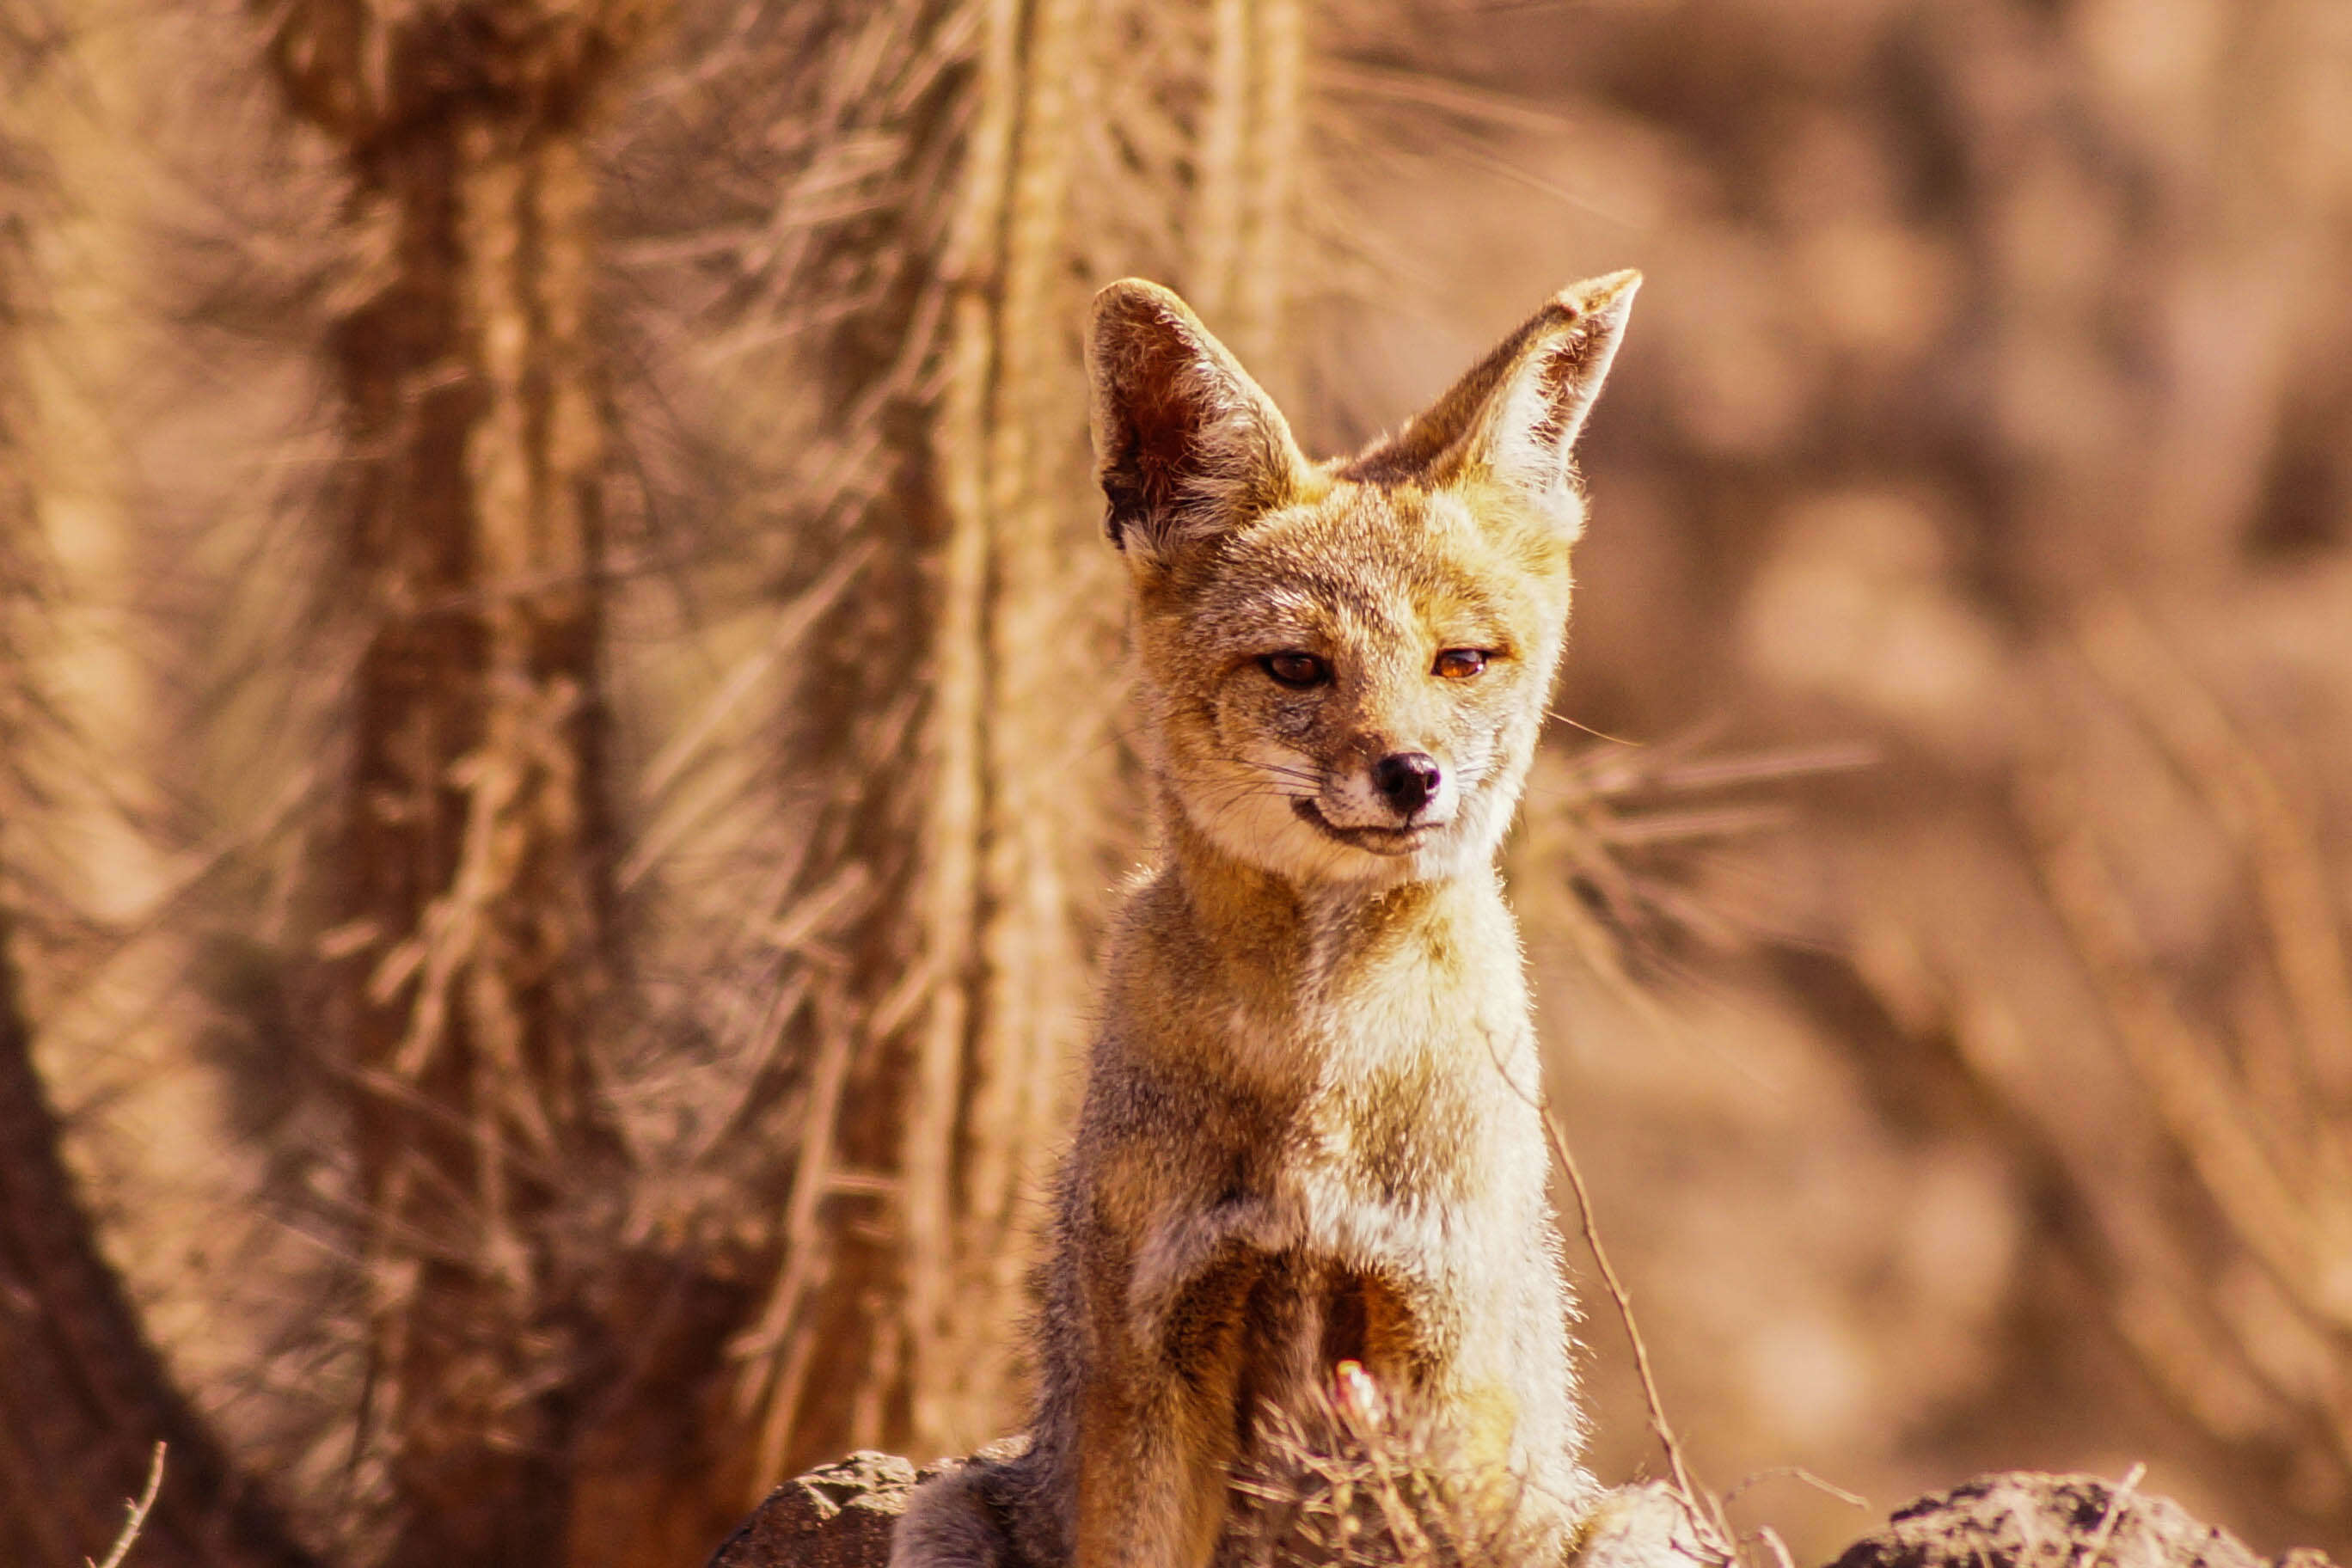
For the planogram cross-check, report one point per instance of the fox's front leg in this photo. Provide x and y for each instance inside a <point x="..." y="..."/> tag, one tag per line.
<point x="1152" y="1477"/>
<point x="1159" y="1416"/>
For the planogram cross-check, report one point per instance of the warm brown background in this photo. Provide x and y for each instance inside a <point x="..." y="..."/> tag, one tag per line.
<point x="562" y="720"/>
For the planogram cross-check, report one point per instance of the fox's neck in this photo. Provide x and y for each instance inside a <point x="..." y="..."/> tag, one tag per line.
<point x="1300" y="938"/>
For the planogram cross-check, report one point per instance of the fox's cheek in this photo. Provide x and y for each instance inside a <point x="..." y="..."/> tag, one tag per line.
<point x="1296" y="727"/>
<point x="1247" y="717"/>
<point x="1472" y="741"/>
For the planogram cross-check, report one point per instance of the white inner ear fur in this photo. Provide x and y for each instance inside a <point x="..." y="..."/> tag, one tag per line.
<point x="1235" y="452"/>
<point x="1232" y="460"/>
<point x="1530" y="436"/>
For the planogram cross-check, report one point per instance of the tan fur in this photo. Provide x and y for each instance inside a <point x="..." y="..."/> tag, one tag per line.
<point x="1311" y="1129"/>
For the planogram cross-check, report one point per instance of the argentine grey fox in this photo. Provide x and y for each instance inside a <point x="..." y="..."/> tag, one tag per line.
<point x="1311" y="1132"/>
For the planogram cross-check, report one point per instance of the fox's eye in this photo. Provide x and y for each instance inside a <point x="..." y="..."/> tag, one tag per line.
<point x="1294" y="668"/>
<point x="1461" y="663"/>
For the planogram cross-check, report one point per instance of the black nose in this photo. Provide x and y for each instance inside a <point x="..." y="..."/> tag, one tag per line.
<point x="1407" y="778"/>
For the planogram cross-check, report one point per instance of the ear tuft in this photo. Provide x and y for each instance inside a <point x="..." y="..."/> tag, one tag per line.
<point x="1516" y="415"/>
<point x="1186" y="444"/>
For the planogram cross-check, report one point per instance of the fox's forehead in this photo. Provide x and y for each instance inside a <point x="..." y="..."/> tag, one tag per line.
<point x="1372" y="563"/>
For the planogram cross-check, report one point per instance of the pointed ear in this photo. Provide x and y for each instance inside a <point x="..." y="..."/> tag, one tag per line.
<point x="1514" y="417"/>
<point x="1185" y="443"/>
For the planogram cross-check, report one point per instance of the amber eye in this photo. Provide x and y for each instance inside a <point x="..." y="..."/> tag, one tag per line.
<point x="1295" y="668"/>
<point x="1461" y="663"/>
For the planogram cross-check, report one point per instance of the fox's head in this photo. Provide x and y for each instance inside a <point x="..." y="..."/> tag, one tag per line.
<point x="1345" y="664"/>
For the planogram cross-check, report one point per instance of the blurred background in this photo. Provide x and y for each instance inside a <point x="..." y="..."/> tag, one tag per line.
<point x="562" y="750"/>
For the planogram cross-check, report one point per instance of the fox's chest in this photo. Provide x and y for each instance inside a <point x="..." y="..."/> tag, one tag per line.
<point x="1417" y="1079"/>
<point x="1409" y="1131"/>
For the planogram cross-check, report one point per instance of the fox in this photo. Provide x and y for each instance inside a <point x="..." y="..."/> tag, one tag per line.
<point x="1310" y="1141"/>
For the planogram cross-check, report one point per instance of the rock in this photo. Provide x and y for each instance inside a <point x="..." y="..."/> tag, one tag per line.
<point x="2019" y="1518"/>
<point x="837" y="1516"/>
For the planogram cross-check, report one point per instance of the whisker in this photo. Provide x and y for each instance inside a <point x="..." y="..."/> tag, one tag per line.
<point x="1222" y="791"/>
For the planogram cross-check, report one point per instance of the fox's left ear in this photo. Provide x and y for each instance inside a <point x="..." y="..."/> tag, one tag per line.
<point x="1514" y="417"/>
<point x="1186" y="444"/>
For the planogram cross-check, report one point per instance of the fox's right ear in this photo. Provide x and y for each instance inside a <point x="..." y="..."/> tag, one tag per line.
<point x="1514" y="418"/>
<point x="1186" y="443"/>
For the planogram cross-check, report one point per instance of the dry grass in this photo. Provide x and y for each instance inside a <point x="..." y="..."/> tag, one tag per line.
<point x="2254" y="1112"/>
<point x="1364" y="1480"/>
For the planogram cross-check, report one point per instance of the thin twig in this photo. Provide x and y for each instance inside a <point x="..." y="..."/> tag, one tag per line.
<point x="1774" y="1544"/>
<point x="1706" y="1512"/>
<point x="1798" y="1473"/>
<point x="131" y="1526"/>
<point x="2118" y="1498"/>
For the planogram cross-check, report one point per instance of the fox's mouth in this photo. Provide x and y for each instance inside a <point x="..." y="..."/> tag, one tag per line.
<point x="1379" y="840"/>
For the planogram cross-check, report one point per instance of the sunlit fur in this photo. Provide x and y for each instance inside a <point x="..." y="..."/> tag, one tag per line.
<point x="1379" y="581"/>
<point x="1312" y="1129"/>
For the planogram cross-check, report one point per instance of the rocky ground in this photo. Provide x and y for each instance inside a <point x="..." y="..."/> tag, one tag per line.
<point x="840" y="1516"/>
